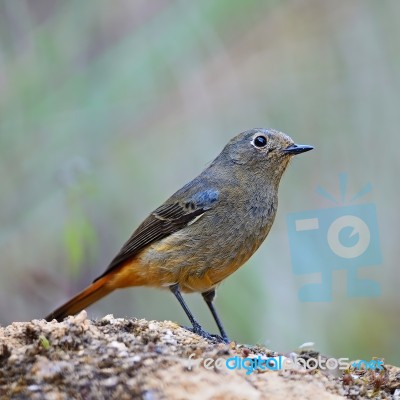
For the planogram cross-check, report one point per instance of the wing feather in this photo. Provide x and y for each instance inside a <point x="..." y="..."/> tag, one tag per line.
<point x="164" y="221"/>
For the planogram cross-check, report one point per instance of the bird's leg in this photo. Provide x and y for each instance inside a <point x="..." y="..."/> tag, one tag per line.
<point x="197" y="329"/>
<point x="208" y="298"/>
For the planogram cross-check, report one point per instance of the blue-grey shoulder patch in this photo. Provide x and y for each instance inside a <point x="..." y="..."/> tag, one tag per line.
<point x="206" y="198"/>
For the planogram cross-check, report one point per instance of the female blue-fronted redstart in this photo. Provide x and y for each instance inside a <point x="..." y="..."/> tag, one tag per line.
<point x="206" y="230"/>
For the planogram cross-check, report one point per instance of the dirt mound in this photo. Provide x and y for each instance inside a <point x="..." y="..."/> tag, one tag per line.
<point x="115" y="358"/>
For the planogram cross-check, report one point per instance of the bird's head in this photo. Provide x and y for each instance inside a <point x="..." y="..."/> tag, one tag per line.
<point x="264" y="152"/>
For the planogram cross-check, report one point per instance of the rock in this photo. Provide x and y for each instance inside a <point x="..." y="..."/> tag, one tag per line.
<point x="115" y="358"/>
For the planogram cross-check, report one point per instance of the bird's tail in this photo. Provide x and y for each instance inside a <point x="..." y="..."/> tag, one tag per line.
<point x="88" y="296"/>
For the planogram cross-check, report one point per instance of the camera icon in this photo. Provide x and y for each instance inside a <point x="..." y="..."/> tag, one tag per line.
<point x="330" y="239"/>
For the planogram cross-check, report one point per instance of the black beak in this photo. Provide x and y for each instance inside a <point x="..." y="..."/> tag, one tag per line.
<point x="297" y="149"/>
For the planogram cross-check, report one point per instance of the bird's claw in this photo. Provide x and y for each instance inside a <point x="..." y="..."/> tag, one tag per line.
<point x="198" y="330"/>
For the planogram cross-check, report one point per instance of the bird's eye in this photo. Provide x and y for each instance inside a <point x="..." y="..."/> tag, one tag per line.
<point x="260" y="141"/>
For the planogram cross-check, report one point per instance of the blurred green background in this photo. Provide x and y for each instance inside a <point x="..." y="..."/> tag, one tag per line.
<point x="107" y="108"/>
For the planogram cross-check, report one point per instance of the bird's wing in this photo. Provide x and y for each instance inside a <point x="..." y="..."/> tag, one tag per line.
<point x="165" y="220"/>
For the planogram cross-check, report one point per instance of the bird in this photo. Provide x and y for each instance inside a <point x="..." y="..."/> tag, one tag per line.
<point x="205" y="231"/>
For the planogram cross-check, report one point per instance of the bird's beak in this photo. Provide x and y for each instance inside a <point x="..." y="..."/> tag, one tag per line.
<point x="294" y="149"/>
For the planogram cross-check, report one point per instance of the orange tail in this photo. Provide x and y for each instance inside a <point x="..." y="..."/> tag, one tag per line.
<point x="88" y="296"/>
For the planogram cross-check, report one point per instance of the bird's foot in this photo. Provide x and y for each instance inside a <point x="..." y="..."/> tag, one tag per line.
<point x="220" y="339"/>
<point x="198" y="330"/>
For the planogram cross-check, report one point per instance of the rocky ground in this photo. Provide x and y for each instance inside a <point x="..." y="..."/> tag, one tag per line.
<point x="136" y="359"/>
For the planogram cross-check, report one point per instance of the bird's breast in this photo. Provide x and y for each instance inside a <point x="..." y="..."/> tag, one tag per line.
<point x="204" y="253"/>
